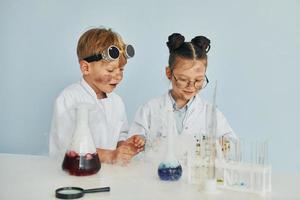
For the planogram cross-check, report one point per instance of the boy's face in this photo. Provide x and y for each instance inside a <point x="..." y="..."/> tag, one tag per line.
<point x="186" y="72"/>
<point x="104" y="76"/>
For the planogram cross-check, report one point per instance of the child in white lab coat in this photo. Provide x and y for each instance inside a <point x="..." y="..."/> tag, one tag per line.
<point x="187" y="73"/>
<point x="102" y="56"/>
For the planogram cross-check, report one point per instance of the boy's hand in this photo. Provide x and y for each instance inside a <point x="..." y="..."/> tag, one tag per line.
<point x="129" y="148"/>
<point x="138" y="141"/>
<point x="125" y="152"/>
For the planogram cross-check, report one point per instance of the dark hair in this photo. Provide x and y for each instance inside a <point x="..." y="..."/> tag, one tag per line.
<point x="196" y="49"/>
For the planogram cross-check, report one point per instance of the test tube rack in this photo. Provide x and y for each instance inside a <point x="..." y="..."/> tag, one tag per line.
<point x="238" y="176"/>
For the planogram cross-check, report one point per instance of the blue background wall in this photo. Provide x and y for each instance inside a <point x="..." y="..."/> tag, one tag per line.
<point x="254" y="57"/>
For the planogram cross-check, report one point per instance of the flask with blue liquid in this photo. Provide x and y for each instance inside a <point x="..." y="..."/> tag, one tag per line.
<point x="170" y="169"/>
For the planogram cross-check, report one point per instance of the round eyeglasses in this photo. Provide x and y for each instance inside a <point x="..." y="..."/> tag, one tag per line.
<point x="198" y="84"/>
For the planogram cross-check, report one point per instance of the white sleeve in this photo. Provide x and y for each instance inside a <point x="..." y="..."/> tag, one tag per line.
<point x="223" y="127"/>
<point x="141" y="122"/>
<point x="124" y="129"/>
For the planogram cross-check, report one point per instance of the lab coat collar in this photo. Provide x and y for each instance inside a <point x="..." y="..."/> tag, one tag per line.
<point x="196" y="103"/>
<point x="184" y="108"/>
<point x="90" y="90"/>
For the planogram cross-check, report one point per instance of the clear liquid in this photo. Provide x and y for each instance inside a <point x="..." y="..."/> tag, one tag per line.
<point x="81" y="165"/>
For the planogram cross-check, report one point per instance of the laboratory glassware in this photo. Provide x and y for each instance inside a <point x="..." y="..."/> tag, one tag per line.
<point x="81" y="158"/>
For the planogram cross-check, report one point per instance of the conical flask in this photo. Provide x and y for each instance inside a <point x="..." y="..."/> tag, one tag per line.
<point x="170" y="169"/>
<point x="81" y="159"/>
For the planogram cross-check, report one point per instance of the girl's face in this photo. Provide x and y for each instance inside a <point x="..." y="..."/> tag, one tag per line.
<point x="187" y="77"/>
<point x="104" y="76"/>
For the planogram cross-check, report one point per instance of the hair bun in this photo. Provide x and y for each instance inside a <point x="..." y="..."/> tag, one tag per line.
<point x="175" y="41"/>
<point x="202" y="42"/>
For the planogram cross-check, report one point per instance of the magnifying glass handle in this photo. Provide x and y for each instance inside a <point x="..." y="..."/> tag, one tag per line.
<point x="103" y="189"/>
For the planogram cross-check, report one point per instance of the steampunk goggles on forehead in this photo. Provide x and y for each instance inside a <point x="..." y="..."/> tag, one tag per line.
<point x="111" y="53"/>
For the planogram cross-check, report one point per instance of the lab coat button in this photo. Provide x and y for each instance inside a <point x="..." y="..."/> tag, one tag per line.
<point x="186" y="128"/>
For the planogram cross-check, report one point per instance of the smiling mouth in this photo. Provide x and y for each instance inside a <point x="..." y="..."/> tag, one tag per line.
<point x="188" y="92"/>
<point x="113" y="85"/>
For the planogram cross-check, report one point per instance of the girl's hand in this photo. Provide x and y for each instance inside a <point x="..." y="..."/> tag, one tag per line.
<point x="138" y="141"/>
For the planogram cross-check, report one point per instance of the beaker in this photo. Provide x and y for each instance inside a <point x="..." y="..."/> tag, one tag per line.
<point x="81" y="159"/>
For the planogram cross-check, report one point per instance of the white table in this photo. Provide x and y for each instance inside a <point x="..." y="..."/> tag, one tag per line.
<point x="36" y="177"/>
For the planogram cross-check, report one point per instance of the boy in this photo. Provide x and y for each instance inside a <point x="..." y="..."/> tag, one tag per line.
<point x="102" y="56"/>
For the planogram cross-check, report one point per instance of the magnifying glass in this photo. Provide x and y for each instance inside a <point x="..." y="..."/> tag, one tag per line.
<point x="76" y="192"/>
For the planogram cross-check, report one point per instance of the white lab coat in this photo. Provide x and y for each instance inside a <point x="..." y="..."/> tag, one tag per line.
<point x="149" y="122"/>
<point x="150" y="118"/>
<point x="107" y="121"/>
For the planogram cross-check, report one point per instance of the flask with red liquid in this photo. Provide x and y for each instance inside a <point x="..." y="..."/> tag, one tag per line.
<point x="81" y="159"/>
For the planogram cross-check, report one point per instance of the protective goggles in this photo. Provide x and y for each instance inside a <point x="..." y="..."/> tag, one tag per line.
<point x="111" y="53"/>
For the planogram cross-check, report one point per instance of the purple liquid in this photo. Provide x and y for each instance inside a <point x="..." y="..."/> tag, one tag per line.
<point x="81" y="165"/>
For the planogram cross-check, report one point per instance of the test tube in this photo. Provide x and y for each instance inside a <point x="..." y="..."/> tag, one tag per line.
<point x="266" y="144"/>
<point x="238" y="157"/>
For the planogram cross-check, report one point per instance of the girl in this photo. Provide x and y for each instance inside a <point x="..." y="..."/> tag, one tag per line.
<point x="187" y="73"/>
